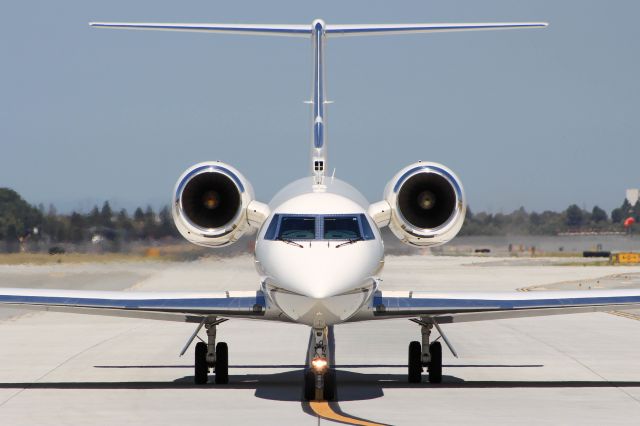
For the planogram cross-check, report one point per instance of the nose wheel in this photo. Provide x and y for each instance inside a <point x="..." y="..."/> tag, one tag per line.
<point x="319" y="377"/>
<point x="328" y="385"/>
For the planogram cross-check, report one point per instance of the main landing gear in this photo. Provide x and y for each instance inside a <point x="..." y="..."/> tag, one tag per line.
<point x="427" y="355"/>
<point x="319" y="378"/>
<point x="211" y="355"/>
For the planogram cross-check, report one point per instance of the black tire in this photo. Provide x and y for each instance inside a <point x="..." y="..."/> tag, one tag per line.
<point x="415" y="362"/>
<point x="201" y="370"/>
<point x="222" y="364"/>
<point x="435" y="365"/>
<point x="309" y="386"/>
<point x="330" y="385"/>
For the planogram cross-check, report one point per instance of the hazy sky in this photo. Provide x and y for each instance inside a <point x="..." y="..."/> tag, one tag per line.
<point x="538" y="118"/>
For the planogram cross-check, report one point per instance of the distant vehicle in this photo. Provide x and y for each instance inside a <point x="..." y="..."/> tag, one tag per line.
<point x="318" y="249"/>
<point x="56" y="250"/>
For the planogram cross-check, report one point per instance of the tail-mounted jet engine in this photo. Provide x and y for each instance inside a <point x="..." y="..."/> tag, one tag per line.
<point x="424" y="205"/>
<point x="214" y="205"/>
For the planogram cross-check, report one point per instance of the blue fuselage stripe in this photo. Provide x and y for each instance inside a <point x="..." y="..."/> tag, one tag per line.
<point x="318" y="87"/>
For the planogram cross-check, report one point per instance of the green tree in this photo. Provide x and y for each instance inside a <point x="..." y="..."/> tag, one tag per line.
<point x="138" y="215"/>
<point x="149" y="229"/>
<point x="621" y="213"/>
<point x="167" y="227"/>
<point x="93" y="218"/>
<point x="574" y="216"/>
<point x="635" y="211"/>
<point x="77" y="226"/>
<point x="106" y="215"/>
<point x="598" y="215"/>
<point x="17" y="217"/>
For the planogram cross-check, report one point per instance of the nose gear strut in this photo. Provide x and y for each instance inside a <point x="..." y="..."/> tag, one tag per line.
<point x="319" y="376"/>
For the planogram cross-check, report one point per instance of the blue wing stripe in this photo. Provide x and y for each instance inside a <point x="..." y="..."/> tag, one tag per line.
<point x="450" y="305"/>
<point x="201" y="305"/>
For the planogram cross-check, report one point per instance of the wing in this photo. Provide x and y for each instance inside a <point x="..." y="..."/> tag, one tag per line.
<point x="465" y="306"/>
<point x="167" y="306"/>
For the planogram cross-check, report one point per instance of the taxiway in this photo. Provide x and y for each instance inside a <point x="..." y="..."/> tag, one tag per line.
<point x="74" y="369"/>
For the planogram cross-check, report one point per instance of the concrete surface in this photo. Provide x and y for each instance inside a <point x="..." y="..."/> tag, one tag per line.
<point x="86" y="370"/>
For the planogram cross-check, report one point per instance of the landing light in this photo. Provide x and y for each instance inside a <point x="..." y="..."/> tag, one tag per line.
<point x="319" y="364"/>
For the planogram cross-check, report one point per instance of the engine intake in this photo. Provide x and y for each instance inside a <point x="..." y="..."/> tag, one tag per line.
<point x="424" y="205"/>
<point x="426" y="200"/>
<point x="210" y="200"/>
<point x="210" y="204"/>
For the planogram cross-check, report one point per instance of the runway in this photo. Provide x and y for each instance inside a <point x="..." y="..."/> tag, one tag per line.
<point x="89" y="370"/>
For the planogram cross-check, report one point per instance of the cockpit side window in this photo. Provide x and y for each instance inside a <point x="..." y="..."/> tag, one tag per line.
<point x="367" y="232"/>
<point x="273" y="227"/>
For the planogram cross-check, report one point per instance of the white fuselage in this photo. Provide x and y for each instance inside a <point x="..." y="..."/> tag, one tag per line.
<point x="318" y="280"/>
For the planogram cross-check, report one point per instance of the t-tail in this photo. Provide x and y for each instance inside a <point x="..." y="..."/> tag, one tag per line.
<point x="318" y="32"/>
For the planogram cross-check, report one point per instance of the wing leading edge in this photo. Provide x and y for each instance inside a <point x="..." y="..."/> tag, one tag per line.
<point x="464" y="307"/>
<point x="167" y="306"/>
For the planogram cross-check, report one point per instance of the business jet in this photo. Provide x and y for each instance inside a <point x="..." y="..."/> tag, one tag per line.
<point x="319" y="253"/>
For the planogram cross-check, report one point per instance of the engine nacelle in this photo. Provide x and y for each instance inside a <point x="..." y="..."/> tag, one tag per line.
<point x="424" y="205"/>
<point x="213" y="205"/>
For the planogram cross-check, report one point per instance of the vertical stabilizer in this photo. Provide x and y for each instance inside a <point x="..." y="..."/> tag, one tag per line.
<point x="319" y="148"/>
<point x="318" y="31"/>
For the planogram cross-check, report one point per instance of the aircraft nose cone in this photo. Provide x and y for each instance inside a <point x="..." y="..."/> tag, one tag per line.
<point x="320" y="279"/>
<point x="328" y="281"/>
<point x="322" y="272"/>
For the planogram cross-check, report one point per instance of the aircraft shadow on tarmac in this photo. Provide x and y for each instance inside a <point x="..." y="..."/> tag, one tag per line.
<point x="351" y="386"/>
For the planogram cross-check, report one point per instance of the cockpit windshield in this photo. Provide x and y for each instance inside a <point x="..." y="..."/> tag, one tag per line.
<point x="297" y="228"/>
<point x="345" y="227"/>
<point x="341" y="228"/>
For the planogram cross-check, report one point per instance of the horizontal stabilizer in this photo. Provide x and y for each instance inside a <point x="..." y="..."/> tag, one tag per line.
<point x="255" y="29"/>
<point x="306" y="30"/>
<point x="388" y="29"/>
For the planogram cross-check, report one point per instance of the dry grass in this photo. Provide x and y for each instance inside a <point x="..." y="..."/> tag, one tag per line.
<point x="43" y="258"/>
<point x="592" y="263"/>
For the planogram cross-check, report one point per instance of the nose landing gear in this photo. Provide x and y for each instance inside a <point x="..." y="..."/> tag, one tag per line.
<point x="319" y="377"/>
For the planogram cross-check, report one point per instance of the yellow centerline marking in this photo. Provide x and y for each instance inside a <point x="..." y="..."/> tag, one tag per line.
<point x="628" y="315"/>
<point x="324" y="410"/>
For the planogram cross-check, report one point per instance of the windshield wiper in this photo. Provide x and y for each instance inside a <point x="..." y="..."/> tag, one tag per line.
<point x="288" y="241"/>
<point x="354" y="240"/>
